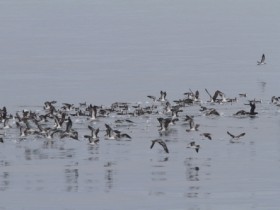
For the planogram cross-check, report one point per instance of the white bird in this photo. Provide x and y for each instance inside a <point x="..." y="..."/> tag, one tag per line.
<point x="193" y="146"/>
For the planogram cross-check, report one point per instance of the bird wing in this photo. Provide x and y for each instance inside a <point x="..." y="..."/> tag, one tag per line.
<point x="208" y="135"/>
<point x="153" y="143"/>
<point x="233" y="136"/>
<point x="152" y="97"/>
<point x="69" y="125"/>
<point x="96" y="132"/>
<point x="108" y="127"/>
<point x="240" y="135"/>
<point x="263" y="58"/>
<point x="164" y="146"/>
<point x="125" y="135"/>
<point x="208" y="93"/>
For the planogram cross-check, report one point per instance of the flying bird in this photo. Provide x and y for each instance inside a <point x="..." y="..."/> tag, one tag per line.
<point x="162" y="143"/>
<point x="235" y="138"/>
<point x="207" y="135"/>
<point x="193" y="146"/>
<point x="262" y="60"/>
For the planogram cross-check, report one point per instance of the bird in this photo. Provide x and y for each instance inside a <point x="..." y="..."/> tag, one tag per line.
<point x="203" y="108"/>
<point x="162" y="96"/>
<point x="250" y="113"/>
<point x="193" y="126"/>
<point x="6" y="123"/>
<point x="69" y="132"/>
<point x="214" y="98"/>
<point x="235" y="137"/>
<point x="242" y="95"/>
<point x="212" y="111"/>
<point x="165" y="123"/>
<point x="50" y="133"/>
<point x="49" y="105"/>
<point x="152" y="97"/>
<point x="193" y="96"/>
<point x="92" y="112"/>
<point x="274" y="100"/>
<point x="162" y="143"/>
<point x="167" y="107"/>
<point x="67" y="106"/>
<point x="115" y="134"/>
<point x="94" y="132"/>
<point x="175" y="111"/>
<point x="93" y="138"/>
<point x="68" y="125"/>
<point x="72" y="134"/>
<point x="207" y="135"/>
<point x="193" y="146"/>
<point x="262" y="60"/>
<point x="252" y="109"/>
<point x="58" y="122"/>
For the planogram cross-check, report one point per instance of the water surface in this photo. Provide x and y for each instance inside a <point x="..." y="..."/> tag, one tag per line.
<point x="107" y="51"/>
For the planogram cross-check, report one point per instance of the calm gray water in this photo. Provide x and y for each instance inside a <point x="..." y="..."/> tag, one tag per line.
<point x="107" y="51"/>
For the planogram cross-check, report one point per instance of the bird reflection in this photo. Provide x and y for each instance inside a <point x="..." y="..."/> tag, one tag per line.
<point x="31" y="154"/>
<point x="262" y="86"/>
<point x="93" y="151"/>
<point x="192" y="175"/>
<point x="4" y="176"/>
<point x="164" y="159"/>
<point x="49" y="143"/>
<point x="192" y="172"/>
<point x="109" y="176"/>
<point x="71" y="178"/>
<point x="193" y="192"/>
<point x="4" y="181"/>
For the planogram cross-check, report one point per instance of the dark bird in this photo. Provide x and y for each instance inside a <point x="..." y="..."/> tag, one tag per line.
<point x="115" y="134"/>
<point x="162" y="96"/>
<point x="250" y="113"/>
<point x="207" y="135"/>
<point x="262" y="60"/>
<point x="212" y="111"/>
<point x="242" y="95"/>
<point x="69" y="125"/>
<point x="161" y="142"/>
<point x="152" y="97"/>
<point x="252" y="109"/>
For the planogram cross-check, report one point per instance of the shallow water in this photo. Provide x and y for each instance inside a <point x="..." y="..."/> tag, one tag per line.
<point x="107" y="51"/>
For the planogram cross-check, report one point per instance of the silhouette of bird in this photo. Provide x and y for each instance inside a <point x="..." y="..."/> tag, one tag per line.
<point x="262" y="60"/>
<point x="207" y="135"/>
<point x="162" y="143"/>
<point x="235" y="138"/>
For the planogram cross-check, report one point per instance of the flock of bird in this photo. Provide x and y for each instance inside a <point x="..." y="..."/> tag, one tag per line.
<point x="55" y="122"/>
